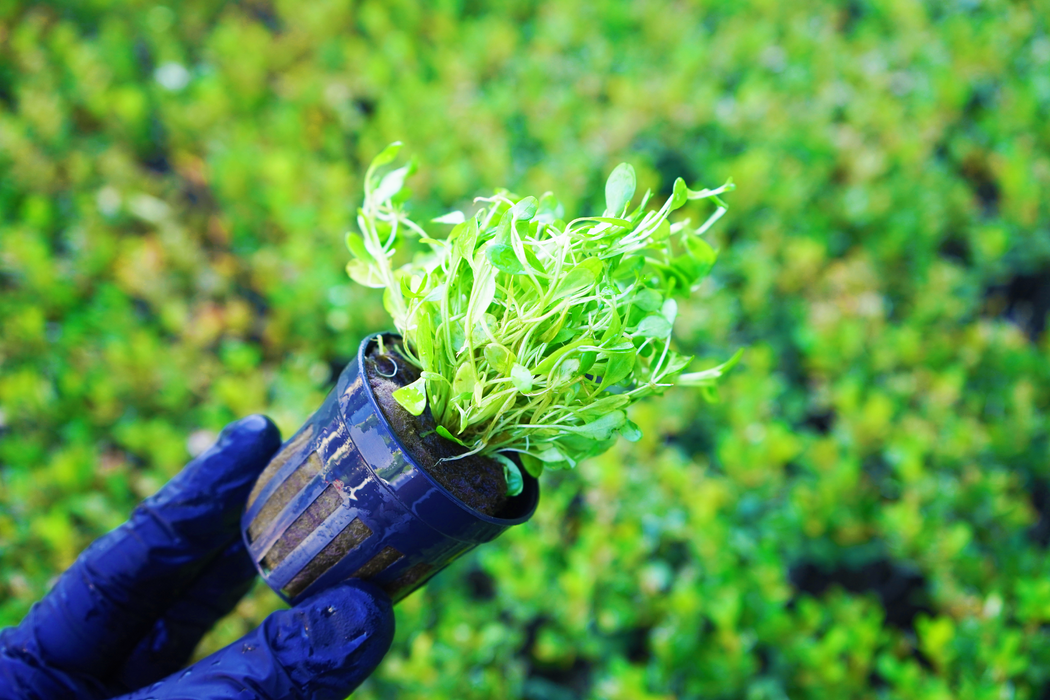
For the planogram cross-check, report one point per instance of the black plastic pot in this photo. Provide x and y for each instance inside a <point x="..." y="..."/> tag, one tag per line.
<point x="343" y="499"/>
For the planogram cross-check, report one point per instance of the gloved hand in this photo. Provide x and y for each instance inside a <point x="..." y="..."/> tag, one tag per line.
<point x="126" y="616"/>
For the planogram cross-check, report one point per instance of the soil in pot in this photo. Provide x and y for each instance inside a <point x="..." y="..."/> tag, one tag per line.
<point x="476" y="481"/>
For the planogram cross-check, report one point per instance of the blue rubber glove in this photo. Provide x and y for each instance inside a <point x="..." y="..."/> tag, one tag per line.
<point x="127" y="615"/>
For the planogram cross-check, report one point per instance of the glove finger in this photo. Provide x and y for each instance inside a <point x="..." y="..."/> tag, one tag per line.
<point x="22" y="677"/>
<point x="117" y="589"/>
<point x="321" y="649"/>
<point x="168" y="645"/>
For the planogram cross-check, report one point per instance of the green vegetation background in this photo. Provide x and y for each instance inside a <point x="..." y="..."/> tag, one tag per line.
<point x="174" y="186"/>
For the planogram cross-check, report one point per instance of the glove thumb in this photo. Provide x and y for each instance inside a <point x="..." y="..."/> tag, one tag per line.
<point x="322" y="649"/>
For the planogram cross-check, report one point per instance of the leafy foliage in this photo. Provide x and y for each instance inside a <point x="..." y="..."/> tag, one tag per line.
<point x="535" y="335"/>
<point x="170" y="260"/>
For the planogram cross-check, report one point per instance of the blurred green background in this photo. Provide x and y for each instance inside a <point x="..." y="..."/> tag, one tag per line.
<point x="866" y="512"/>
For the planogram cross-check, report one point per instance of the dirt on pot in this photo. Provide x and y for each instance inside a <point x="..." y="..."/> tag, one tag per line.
<point x="476" y="481"/>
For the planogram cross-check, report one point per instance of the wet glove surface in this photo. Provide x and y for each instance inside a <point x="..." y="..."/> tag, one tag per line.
<point x="124" y="619"/>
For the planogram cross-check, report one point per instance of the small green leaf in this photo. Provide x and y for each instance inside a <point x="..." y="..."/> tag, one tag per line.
<point x="647" y="299"/>
<point x="677" y="362"/>
<point x="465" y="379"/>
<point x="587" y="360"/>
<point x="490" y="406"/>
<point x="613" y="331"/>
<point x="453" y="217"/>
<point x="483" y="328"/>
<point x="436" y="377"/>
<point x="679" y="195"/>
<point x="511" y="473"/>
<point x="549" y="209"/>
<point x="501" y="359"/>
<point x="356" y="245"/>
<point x="458" y="229"/>
<point x="701" y="252"/>
<point x="466" y="237"/>
<point x="603" y="406"/>
<point x="629" y="268"/>
<point x="709" y="376"/>
<point x="521" y="378"/>
<point x="631" y="432"/>
<point x="504" y="259"/>
<point x="713" y="194"/>
<point x="482" y="295"/>
<point x="551" y="455"/>
<point x="412" y="286"/>
<point x="519" y="248"/>
<point x="548" y="458"/>
<point x="532" y="465"/>
<point x="443" y="432"/>
<point x="653" y="326"/>
<point x="684" y="272"/>
<point x="580" y="278"/>
<point x="364" y="274"/>
<point x="548" y="362"/>
<point x="533" y="261"/>
<point x="619" y="189"/>
<point x="582" y="447"/>
<point x="386" y="155"/>
<point x="566" y="372"/>
<point x="413" y="397"/>
<point x="524" y="209"/>
<point x="602" y="428"/>
<point x="662" y="232"/>
<point x="563" y="336"/>
<point x="392" y="183"/>
<point x="502" y="233"/>
<point x="459" y="336"/>
<point x="619" y="367"/>
<point x="422" y="339"/>
<point x="669" y="310"/>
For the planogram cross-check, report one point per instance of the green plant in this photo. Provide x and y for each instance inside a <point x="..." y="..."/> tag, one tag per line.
<point x="890" y="159"/>
<point x="534" y="335"/>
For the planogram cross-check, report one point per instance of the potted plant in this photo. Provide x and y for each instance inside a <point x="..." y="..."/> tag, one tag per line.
<point x="521" y="342"/>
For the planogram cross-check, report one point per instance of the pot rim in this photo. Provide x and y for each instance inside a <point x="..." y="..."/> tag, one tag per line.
<point x="531" y="484"/>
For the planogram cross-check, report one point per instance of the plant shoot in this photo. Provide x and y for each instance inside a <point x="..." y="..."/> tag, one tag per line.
<point x="533" y="335"/>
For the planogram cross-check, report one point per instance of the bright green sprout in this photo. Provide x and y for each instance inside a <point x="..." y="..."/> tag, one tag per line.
<point x="532" y="335"/>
